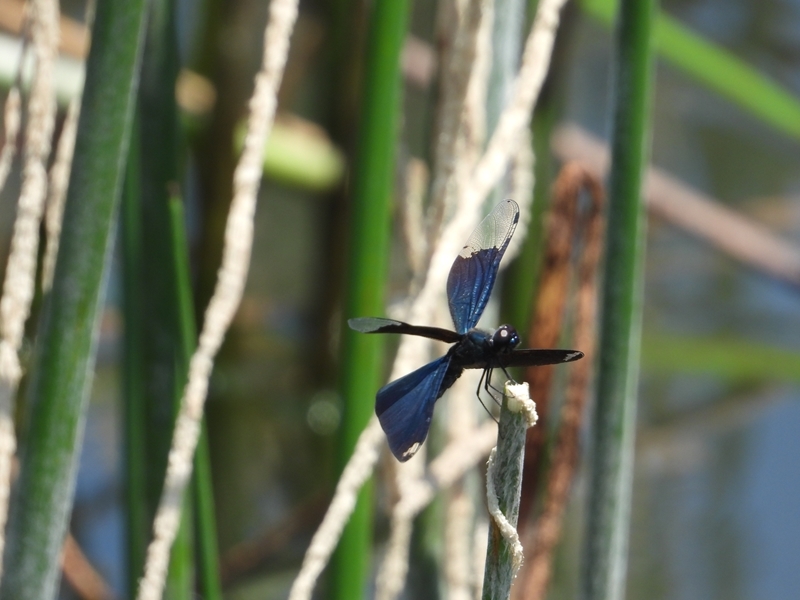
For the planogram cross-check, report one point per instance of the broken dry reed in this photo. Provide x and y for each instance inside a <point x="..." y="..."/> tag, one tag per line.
<point x="503" y="485"/>
<point x="585" y="230"/>
<point x="561" y="235"/>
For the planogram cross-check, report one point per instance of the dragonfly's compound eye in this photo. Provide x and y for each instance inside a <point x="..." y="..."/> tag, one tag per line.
<point x="505" y="339"/>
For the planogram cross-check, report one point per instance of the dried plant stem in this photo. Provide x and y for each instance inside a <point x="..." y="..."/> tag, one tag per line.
<point x="415" y="494"/>
<point x="479" y="537"/>
<point x="503" y="486"/>
<point x="357" y="471"/>
<point x="11" y="122"/>
<point x="461" y="499"/>
<point x="450" y="138"/>
<point x="456" y="150"/>
<point x="393" y="569"/>
<point x="544" y="535"/>
<point x="516" y="117"/>
<point x="561" y="233"/>
<point x="19" y="283"/>
<point x="227" y="294"/>
<point x="445" y="469"/>
<point x="458" y="532"/>
<point x="521" y="185"/>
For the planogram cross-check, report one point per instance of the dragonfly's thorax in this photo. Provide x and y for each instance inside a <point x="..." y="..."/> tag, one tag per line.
<point x="480" y="345"/>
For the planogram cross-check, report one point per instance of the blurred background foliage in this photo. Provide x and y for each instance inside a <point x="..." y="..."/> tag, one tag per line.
<point x="714" y="509"/>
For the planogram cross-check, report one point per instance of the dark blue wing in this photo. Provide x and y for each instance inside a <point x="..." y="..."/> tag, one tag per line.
<point x="525" y="357"/>
<point x="381" y="325"/>
<point x="405" y="407"/>
<point x="472" y="275"/>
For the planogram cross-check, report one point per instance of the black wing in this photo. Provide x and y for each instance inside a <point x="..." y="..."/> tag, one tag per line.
<point x="379" y="325"/>
<point x="472" y="275"/>
<point x="405" y="407"/>
<point x="528" y="357"/>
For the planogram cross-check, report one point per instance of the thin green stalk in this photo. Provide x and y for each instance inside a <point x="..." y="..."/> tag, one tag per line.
<point x="373" y="180"/>
<point x="133" y="397"/>
<point x="180" y="575"/>
<point x="717" y="69"/>
<point x="165" y="363"/>
<point x="67" y="343"/>
<point x="506" y="475"/>
<point x="613" y="432"/>
<point x="206" y="526"/>
<point x="208" y="576"/>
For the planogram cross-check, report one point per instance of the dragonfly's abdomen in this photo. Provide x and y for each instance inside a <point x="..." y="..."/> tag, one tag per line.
<point x="453" y="372"/>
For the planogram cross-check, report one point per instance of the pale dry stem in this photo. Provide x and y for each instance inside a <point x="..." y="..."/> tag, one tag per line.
<point x="507" y="530"/>
<point x="19" y="283"/>
<point x="358" y="469"/>
<point x="461" y="420"/>
<point x="455" y="83"/>
<point x="393" y="569"/>
<point x="458" y="532"/>
<point x="11" y="122"/>
<point x="516" y="117"/>
<point x="522" y="181"/>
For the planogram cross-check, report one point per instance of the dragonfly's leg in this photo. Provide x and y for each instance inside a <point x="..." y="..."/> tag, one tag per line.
<point x="490" y="388"/>
<point x="493" y="388"/>
<point x="478" y="394"/>
<point x="508" y="377"/>
<point x="496" y="394"/>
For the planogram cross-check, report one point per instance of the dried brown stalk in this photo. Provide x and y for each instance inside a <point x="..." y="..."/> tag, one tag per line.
<point x="563" y="224"/>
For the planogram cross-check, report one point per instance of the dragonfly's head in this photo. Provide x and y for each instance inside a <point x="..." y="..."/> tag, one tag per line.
<point x="505" y="339"/>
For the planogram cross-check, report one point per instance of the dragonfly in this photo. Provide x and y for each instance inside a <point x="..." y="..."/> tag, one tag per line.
<point x="405" y="406"/>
